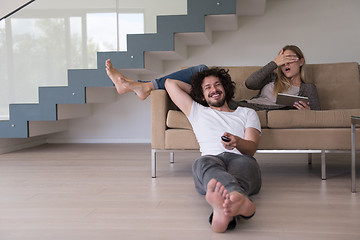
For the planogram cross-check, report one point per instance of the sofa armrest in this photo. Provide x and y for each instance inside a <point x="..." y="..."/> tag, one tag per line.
<point x="160" y="105"/>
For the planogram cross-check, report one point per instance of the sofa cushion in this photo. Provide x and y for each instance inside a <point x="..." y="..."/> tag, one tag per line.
<point x="263" y="118"/>
<point x="305" y="139"/>
<point x="177" y="119"/>
<point x="180" y="139"/>
<point x="311" y="119"/>
<point x="239" y="76"/>
<point x="337" y="84"/>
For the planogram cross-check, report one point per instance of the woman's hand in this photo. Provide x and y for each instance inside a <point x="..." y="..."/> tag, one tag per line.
<point x="283" y="59"/>
<point x="302" y="105"/>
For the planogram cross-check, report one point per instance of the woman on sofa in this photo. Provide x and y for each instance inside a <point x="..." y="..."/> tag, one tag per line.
<point x="290" y="78"/>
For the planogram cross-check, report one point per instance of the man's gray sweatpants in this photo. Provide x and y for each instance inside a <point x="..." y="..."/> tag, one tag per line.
<point x="236" y="172"/>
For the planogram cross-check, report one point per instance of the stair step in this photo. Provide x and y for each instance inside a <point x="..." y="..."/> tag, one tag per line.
<point x="100" y="94"/>
<point x="70" y="111"/>
<point x="14" y="144"/>
<point x="250" y="7"/>
<point x="179" y="53"/>
<point x="64" y="113"/>
<point x="222" y="22"/>
<point x="196" y="39"/>
<point x="38" y="128"/>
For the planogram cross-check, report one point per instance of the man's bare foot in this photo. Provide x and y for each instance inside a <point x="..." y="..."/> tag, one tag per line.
<point x="215" y="196"/>
<point x="125" y="85"/>
<point x="237" y="204"/>
<point x="142" y="89"/>
<point x="116" y="77"/>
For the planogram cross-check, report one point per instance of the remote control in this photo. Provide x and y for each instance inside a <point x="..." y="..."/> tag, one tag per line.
<point x="225" y="139"/>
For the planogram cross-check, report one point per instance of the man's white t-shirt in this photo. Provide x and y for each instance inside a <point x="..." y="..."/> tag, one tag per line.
<point x="209" y="125"/>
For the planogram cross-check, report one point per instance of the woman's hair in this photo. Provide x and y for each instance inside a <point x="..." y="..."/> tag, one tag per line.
<point x="197" y="79"/>
<point x="282" y="83"/>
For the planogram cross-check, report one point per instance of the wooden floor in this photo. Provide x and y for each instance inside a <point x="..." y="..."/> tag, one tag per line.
<point x="104" y="191"/>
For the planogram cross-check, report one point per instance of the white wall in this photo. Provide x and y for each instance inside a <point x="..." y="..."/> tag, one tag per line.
<point x="125" y="121"/>
<point x="326" y="31"/>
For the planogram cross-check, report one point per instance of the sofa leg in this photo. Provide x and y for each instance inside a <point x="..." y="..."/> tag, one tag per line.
<point x="153" y="163"/>
<point x="309" y="158"/>
<point x="171" y="157"/>
<point x="323" y="165"/>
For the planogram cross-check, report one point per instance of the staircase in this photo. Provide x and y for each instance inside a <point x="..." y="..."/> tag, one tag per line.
<point x="144" y="56"/>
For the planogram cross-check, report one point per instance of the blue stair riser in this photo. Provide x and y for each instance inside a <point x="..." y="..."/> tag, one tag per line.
<point x="34" y="112"/>
<point x="62" y="95"/>
<point x="17" y="128"/>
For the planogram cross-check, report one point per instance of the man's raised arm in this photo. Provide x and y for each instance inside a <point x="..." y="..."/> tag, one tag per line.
<point x="179" y="94"/>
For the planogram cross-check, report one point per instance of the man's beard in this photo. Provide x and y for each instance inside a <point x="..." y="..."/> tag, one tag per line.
<point x="218" y="103"/>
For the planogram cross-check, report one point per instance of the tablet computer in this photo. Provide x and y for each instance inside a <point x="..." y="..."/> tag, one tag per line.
<point x="289" y="100"/>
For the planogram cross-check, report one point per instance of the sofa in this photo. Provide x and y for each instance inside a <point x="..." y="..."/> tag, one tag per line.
<point x="291" y="131"/>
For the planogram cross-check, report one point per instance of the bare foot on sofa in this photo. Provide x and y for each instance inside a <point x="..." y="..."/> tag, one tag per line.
<point x="237" y="204"/>
<point x="125" y="85"/>
<point x="142" y="89"/>
<point x="215" y="196"/>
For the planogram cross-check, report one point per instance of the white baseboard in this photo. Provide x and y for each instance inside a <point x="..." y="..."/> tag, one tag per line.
<point x="98" y="140"/>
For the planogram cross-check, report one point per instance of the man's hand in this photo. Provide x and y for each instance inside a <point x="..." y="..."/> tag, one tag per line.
<point x="246" y="145"/>
<point x="231" y="144"/>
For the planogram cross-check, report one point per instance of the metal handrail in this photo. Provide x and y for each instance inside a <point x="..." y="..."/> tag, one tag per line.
<point x="18" y="9"/>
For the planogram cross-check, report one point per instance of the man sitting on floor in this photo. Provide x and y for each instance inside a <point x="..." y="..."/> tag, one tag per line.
<point x="226" y="172"/>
